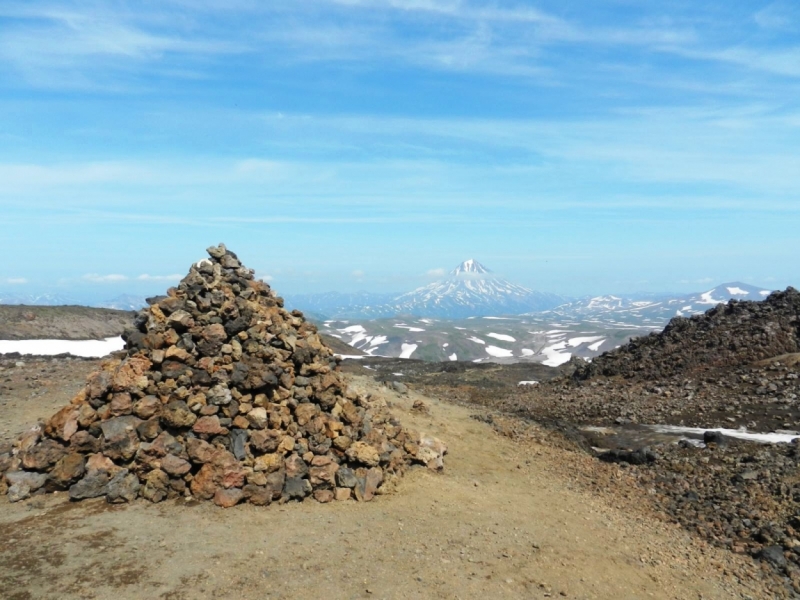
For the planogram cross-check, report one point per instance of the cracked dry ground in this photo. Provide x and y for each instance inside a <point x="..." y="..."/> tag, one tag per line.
<point x="509" y="518"/>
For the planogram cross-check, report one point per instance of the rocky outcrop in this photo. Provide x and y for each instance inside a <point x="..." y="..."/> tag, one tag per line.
<point x="729" y="335"/>
<point x="225" y="396"/>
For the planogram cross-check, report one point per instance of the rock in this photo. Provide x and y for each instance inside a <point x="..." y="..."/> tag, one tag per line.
<point x="642" y="456"/>
<point x="33" y="481"/>
<point x="342" y="494"/>
<point x="123" y="487"/>
<point x="177" y="414"/>
<point x="175" y="466"/>
<point x="200" y="451"/>
<point x="398" y="387"/>
<point x="713" y="437"/>
<point x="156" y="486"/>
<point x="120" y="440"/>
<point x="43" y="455"/>
<point x="18" y="491"/>
<point x="258" y="418"/>
<point x="346" y="477"/>
<point x="209" y="426"/>
<point x="238" y="443"/>
<point x="268" y="462"/>
<point x="773" y="555"/>
<point x="296" y="488"/>
<point x="147" y="407"/>
<point x="295" y="466"/>
<point x="372" y="481"/>
<point x="70" y="468"/>
<point x="84" y="443"/>
<point x="228" y="498"/>
<point x="363" y="453"/>
<point x="323" y="496"/>
<point x="257" y="494"/>
<point x="93" y="485"/>
<point x="430" y="452"/>
<point x="63" y="424"/>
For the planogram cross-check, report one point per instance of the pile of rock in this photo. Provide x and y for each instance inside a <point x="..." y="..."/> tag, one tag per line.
<point x="222" y="395"/>
<point x="729" y="335"/>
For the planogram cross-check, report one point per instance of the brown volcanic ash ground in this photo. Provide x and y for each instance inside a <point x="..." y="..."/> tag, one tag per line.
<point x="508" y="518"/>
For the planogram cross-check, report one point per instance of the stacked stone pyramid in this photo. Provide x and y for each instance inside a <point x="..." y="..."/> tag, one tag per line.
<point x="225" y="396"/>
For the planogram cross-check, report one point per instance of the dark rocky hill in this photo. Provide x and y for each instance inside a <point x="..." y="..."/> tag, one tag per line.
<point x="20" y="322"/>
<point x="729" y="335"/>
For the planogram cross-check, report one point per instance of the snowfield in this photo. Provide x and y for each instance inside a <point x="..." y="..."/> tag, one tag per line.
<point x="499" y="352"/>
<point x="502" y="337"/>
<point x="406" y="350"/>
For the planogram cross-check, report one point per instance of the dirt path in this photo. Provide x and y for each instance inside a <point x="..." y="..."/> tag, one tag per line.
<point x="499" y="523"/>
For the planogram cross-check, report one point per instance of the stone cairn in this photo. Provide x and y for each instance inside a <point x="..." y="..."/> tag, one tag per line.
<point x="223" y="395"/>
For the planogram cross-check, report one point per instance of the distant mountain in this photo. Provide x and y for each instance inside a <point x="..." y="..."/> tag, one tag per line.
<point x="653" y="311"/>
<point x="337" y="304"/>
<point x="37" y="299"/>
<point x="472" y="290"/>
<point x="124" y="302"/>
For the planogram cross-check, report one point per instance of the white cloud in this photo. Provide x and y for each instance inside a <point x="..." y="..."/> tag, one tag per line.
<point x="97" y="278"/>
<point x="358" y="274"/>
<point x="146" y="277"/>
<point x="264" y="277"/>
<point x="440" y="272"/>
<point x="16" y="280"/>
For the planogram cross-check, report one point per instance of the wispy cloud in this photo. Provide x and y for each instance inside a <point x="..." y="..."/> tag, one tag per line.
<point x="147" y="277"/>
<point x="16" y="280"/>
<point x="435" y="273"/>
<point x="97" y="278"/>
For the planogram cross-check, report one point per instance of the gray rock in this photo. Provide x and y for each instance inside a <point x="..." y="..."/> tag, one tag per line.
<point x="346" y="477"/>
<point x="400" y="388"/>
<point x="238" y="440"/>
<point x="120" y="440"/>
<point x="32" y="480"/>
<point x="123" y="487"/>
<point x="94" y="485"/>
<point x="296" y="488"/>
<point x="773" y="555"/>
<point x="18" y="491"/>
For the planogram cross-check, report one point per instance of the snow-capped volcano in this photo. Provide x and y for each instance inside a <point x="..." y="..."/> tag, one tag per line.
<point x="472" y="290"/>
<point x="470" y="266"/>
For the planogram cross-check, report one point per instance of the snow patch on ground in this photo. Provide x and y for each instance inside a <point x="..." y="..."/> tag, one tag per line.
<point x="737" y="291"/>
<point x="527" y="352"/>
<point x="501" y="336"/>
<point x="528" y="383"/>
<point x="453" y="357"/>
<point x="351" y="356"/>
<point x="765" y="292"/>
<point x="413" y="329"/>
<point x="82" y="348"/>
<point x="741" y="434"/>
<point x="378" y="340"/>
<point x="406" y="350"/>
<point x="476" y="340"/>
<point x="596" y="346"/>
<point x="554" y="355"/>
<point x="499" y="352"/>
<point x="353" y="329"/>
<point x="705" y="298"/>
<point x="577" y="341"/>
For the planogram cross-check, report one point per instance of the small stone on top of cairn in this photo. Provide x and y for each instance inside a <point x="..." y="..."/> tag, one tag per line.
<point x="223" y="395"/>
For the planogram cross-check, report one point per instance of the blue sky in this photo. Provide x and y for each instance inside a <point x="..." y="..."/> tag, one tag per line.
<point x="575" y="147"/>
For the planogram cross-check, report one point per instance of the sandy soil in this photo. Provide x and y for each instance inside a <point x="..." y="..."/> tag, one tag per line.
<point x="507" y="519"/>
